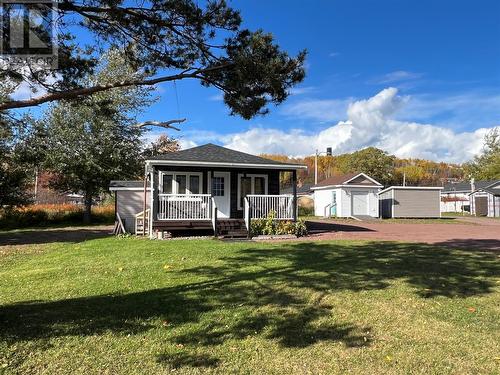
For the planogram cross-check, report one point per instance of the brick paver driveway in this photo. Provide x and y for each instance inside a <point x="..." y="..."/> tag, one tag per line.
<point x="468" y="232"/>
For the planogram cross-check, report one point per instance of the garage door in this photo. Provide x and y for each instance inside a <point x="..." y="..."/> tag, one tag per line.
<point x="359" y="203"/>
<point x="481" y="206"/>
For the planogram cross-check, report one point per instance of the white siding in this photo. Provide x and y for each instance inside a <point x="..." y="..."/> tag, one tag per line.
<point x="372" y="200"/>
<point x="344" y="203"/>
<point x="321" y="199"/>
<point x="454" y="206"/>
<point x="345" y="210"/>
<point x="128" y="204"/>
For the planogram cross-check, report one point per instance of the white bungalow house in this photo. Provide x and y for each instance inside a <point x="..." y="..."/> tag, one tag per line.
<point x="350" y="195"/>
<point x="208" y="188"/>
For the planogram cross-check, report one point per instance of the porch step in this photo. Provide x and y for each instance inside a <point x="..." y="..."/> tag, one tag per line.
<point x="231" y="228"/>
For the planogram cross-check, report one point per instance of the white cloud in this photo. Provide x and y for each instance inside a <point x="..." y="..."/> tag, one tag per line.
<point x="370" y="122"/>
<point x="397" y="76"/>
<point x="333" y="54"/>
<point x="317" y="109"/>
<point x="302" y="90"/>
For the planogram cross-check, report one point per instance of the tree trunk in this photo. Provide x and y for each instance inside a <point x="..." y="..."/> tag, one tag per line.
<point x="87" y="213"/>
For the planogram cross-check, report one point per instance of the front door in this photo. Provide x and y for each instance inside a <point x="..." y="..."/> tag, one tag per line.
<point x="359" y="203"/>
<point x="221" y="191"/>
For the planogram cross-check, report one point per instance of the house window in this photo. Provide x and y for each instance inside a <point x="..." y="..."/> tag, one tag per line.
<point x="194" y="184"/>
<point x="180" y="183"/>
<point x="245" y="188"/>
<point x="167" y="184"/>
<point x="259" y="183"/>
<point x="218" y="186"/>
<point x="250" y="184"/>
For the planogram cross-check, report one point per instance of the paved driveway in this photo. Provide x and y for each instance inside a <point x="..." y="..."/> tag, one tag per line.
<point x="468" y="232"/>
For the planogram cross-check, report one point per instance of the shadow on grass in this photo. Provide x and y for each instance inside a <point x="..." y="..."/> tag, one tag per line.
<point x="276" y="292"/>
<point x="41" y="236"/>
<point x="316" y="227"/>
<point x="177" y="360"/>
<point x="472" y="244"/>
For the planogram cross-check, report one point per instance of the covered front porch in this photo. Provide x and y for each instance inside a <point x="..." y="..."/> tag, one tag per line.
<point x="216" y="200"/>
<point x="214" y="188"/>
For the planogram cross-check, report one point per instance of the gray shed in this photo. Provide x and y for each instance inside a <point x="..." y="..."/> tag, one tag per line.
<point x="129" y="201"/>
<point x="410" y="202"/>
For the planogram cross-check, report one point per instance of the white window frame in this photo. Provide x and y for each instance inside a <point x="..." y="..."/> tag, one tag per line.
<point x="252" y="185"/>
<point x="175" y="185"/>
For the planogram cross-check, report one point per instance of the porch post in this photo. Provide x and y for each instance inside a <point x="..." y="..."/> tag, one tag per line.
<point x="294" y="188"/>
<point x="154" y="199"/>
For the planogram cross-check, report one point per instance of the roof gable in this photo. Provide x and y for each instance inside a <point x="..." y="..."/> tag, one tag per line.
<point x="211" y="153"/>
<point x="355" y="178"/>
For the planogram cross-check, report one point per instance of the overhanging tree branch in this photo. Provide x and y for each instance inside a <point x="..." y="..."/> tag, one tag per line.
<point x="85" y="91"/>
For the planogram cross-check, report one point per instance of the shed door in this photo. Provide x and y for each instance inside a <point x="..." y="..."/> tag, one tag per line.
<point x="359" y="203"/>
<point x="481" y="204"/>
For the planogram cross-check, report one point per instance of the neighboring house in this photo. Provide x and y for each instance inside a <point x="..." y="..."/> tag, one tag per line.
<point x="350" y="195"/>
<point x="455" y="195"/>
<point x="485" y="201"/>
<point x="42" y="193"/>
<point x="410" y="202"/>
<point x="210" y="188"/>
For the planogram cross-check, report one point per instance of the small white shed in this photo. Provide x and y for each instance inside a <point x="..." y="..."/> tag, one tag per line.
<point x="350" y="195"/>
<point x="486" y="201"/>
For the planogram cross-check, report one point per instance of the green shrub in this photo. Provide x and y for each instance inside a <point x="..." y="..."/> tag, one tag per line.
<point x="300" y="228"/>
<point x="270" y="226"/>
<point x="306" y="211"/>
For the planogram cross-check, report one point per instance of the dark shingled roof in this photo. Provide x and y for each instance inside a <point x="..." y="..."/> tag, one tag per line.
<point x="339" y="180"/>
<point x="465" y="186"/>
<point x="493" y="188"/>
<point x="126" y="184"/>
<point x="216" y="154"/>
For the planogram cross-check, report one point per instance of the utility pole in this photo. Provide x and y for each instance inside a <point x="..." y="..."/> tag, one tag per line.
<point x="316" y="168"/>
<point x="328" y="153"/>
<point x="36" y="186"/>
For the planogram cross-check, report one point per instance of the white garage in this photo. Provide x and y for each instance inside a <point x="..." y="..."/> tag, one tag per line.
<point x="350" y="195"/>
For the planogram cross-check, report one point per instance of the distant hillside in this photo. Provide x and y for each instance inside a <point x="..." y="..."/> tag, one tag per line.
<point x="385" y="168"/>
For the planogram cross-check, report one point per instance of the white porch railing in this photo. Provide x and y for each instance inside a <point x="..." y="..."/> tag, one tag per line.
<point x="260" y="206"/>
<point x="184" y="207"/>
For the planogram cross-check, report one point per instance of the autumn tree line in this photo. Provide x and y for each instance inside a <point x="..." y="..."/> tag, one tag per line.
<point x="391" y="170"/>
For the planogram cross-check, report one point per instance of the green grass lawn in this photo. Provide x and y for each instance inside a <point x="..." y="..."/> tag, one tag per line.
<point x="125" y="305"/>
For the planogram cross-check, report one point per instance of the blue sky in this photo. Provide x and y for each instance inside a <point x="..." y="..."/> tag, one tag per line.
<point x="442" y="57"/>
<point x="416" y="78"/>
